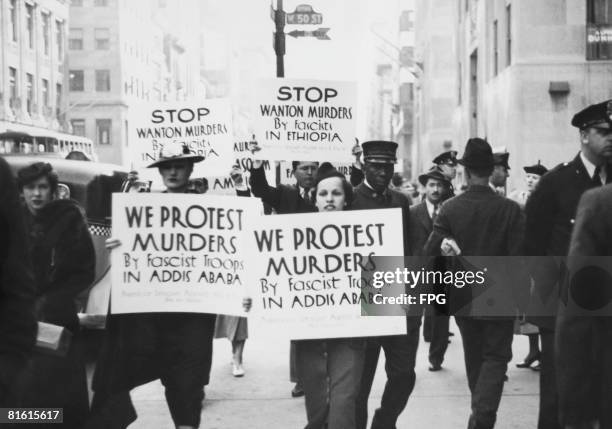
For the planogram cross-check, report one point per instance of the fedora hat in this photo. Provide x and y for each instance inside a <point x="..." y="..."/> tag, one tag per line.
<point x="435" y="172"/>
<point x="478" y="154"/>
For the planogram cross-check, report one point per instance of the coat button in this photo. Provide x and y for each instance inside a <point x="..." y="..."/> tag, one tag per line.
<point x="572" y="221"/>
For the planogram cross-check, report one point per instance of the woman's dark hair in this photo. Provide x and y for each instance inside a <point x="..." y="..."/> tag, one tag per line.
<point x="35" y="171"/>
<point x="326" y="170"/>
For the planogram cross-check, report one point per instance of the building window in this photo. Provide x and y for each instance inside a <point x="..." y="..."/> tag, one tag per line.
<point x="29" y="9"/>
<point x="45" y="92"/>
<point x="77" y="80"/>
<point x="599" y="29"/>
<point x="508" y="35"/>
<point x="102" y="36"/>
<point x="101" y="3"/>
<point x="495" y="48"/>
<point x="58" y="100"/>
<point x="75" y="39"/>
<point x="103" y="130"/>
<point x="76" y="3"/>
<point x="103" y="80"/>
<point x="45" y="32"/>
<point x="29" y="93"/>
<point x="78" y="127"/>
<point x="12" y="87"/>
<point x="13" y="19"/>
<point x="59" y="39"/>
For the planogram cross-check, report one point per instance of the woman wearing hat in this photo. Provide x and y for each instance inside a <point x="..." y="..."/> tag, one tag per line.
<point x="533" y="173"/>
<point x="173" y="347"/>
<point x="330" y="369"/>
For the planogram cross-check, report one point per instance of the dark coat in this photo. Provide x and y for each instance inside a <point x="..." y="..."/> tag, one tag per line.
<point x="366" y="198"/>
<point x="64" y="266"/>
<point x="284" y="198"/>
<point x="482" y="223"/>
<point x="17" y="289"/>
<point x="550" y="215"/>
<point x="584" y="355"/>
<point x="420" y="227"/>
<point x="64" y="261"/>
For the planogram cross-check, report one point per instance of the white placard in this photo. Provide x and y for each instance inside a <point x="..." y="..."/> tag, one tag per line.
<point x="204" y="126"/>
<point x="180" y="252"/>
<point x="306" y="280"/>
<point x="305" y="120"/>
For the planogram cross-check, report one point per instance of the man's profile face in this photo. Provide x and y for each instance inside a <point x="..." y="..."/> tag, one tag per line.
<point x="305" y="174"/>
<point x="599" y="143"/>
<point x="175" y="174"/>
<point x="499" y="176"/>
<point x="378" y="175"/>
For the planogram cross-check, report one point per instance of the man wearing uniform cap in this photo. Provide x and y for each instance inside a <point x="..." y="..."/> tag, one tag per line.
<point x="583" y="343"/>
<point x="447" y="161"/>
<point x="481" y="223"/>
<point x="436" y="321"/>
<point x="500" y="172"/>
<point x="400" y="350"/>
<point x="173" y="347"/>
<point x="551" y="211"/>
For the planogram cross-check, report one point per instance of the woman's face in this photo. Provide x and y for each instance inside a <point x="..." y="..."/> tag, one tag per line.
<point x="37" y="194"/>
<point x="330" y="195"/>
<point x="531" y="180"/>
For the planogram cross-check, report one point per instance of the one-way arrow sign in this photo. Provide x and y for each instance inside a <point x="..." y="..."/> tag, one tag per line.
<point x="320" y="33"/>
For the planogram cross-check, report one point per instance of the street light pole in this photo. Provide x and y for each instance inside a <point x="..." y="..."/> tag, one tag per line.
<point x="279" y="38"/>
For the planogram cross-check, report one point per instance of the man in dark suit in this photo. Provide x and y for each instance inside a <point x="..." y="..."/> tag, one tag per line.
<point x="499" y="178"/>
<point x="400" y="350"/>
<point x="584" y="359"/>
<point x="437" y="189"/>
<point x="551" y="212"/>
<point x="286" y="198"/>
<point x="481" y="223"/>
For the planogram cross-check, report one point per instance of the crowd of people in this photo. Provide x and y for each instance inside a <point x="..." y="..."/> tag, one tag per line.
<point x="47" y="261"/>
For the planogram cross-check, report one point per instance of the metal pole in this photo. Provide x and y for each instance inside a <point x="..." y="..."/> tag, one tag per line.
<point x="279" y="38"/>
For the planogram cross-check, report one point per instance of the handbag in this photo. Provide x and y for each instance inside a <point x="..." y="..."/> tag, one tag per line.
<point x="52" y="339"/>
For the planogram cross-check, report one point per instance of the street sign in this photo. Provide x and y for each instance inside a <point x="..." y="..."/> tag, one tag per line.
<point x="320" y="33"/>
<point x="304" y="15"/>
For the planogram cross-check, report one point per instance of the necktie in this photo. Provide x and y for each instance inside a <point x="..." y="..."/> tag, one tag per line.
<point x="596" y="177"/>
<point x="306" y="194"/>
<point x="434" y="213"/>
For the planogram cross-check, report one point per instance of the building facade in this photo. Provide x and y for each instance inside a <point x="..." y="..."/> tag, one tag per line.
<point x="123" y="53"/>
<point x="33" y="69"/>
<point x="524" y="69"/>
<point x="435" y="96"/>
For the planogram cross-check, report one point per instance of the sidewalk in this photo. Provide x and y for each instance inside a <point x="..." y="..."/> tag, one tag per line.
<point x="261" y="399"/>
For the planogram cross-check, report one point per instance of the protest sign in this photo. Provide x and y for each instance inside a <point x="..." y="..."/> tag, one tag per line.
<point x="306" y="280"/>
<point x="204" y="126"/>
<point x="180" y="252"/>
<point x="305" y="120"/>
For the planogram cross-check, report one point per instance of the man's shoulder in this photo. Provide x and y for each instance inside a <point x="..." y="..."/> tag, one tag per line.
<point x="400" y="198"/>
<point x="562" y="172"/>
<point x="418" y="207"/>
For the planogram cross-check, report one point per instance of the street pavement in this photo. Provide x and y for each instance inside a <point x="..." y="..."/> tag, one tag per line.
<point x="261" y="399"/>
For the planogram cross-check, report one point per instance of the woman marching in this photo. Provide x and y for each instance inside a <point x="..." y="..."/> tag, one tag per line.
<point x="330" y="369"/>
<point x="63" y="259"/>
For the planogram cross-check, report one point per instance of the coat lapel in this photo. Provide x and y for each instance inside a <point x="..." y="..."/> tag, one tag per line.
<point x="423" y="216"/>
